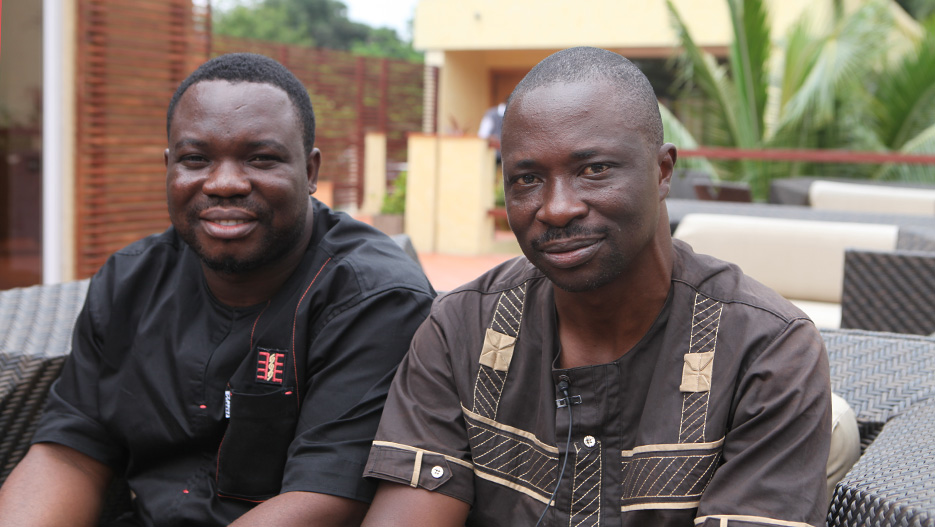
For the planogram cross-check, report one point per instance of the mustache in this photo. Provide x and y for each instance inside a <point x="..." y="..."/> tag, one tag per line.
<point x="234" y="203"/>
<point x="573" y="230"/>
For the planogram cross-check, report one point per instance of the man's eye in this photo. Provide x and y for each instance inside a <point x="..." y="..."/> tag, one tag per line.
<point x="527" y="179"/>
<point x="194" y="159"/>
<point x="595" y="168"/>
<point x="263" y="159"/>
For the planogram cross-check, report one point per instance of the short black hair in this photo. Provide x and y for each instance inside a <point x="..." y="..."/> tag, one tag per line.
<point x="583" y="64"/>
<point x="250" y="67"/>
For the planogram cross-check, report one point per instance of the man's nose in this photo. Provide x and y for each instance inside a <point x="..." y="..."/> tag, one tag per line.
<point x="227" y="179"/>
<point x="561" y="204"/>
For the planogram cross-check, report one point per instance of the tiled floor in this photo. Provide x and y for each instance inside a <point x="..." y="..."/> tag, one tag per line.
<point x="447" y="271"/>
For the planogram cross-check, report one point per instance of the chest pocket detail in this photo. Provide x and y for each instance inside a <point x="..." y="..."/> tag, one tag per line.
<point x="497" y="352"/>
<point x="262" y="412"/>
<point x="252" y="456"/>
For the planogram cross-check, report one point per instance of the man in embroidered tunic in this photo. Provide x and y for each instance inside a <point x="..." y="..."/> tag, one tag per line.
<point x="692" y="395"/>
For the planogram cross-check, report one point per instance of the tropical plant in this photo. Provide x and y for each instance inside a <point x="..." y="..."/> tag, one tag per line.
<point x="859" y="82"/>
<point x="320" y="23"/>
<point x="395" y="201"/>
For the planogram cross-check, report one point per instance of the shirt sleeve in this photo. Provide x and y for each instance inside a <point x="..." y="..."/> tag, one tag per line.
<point x="773" y="466"/>
<point x="422" y="440"/>
<point x="72" y="413"/>
<point x="352" y="363"/>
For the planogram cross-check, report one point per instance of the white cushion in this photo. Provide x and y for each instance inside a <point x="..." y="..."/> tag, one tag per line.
<point x="825" y="315"/>
<point x="800" y="259"/>
<point x="830" y="195"/>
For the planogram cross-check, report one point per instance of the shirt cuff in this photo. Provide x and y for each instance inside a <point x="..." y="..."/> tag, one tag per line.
<point x="328" y="474"/>
<point x="421" y="468"/>
<point x="78" y="432"/>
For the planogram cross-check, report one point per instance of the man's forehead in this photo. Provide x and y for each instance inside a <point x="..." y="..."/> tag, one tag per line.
<point x="226" y="87"/>
<point x="559" y="98"/>
<point x="223" y="96"/>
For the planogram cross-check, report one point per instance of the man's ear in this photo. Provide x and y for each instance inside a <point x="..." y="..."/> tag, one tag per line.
<point x="312" y="164"/>
<point x="165" y="156"/>
<point x="666" y="161"/>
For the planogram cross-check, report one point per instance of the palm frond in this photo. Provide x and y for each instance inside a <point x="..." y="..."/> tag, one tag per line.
<point x="676" y="133"/>
<point x="749" y="57"/>
<point x="921" y="143"/>
<point x="801" y="51"/>
<point x="839" y="67"/>
<point x="905" y="99"/>
<point x="701" y="70"/>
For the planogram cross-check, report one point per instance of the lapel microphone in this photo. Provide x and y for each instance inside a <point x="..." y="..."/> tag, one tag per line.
<point x="565" y="402"/>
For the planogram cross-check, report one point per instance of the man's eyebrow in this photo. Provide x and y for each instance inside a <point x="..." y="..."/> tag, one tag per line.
<point x="197" y="143"/>
<point x="266" y="143"/>
<point x="526" y="163"/>
<point x="584" y="154"/>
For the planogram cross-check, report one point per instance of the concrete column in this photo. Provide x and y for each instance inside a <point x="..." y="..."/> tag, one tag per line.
<point x="58" y="140"/>
<point x="465" y="195"/>
<point x="374" y="172"/>
<point x="421" y="190"/>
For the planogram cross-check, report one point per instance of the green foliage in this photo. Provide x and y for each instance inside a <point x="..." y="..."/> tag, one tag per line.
<point x="395" y="201"/>
<point x="919" y="9"/>
<point x="321" y="23"/>
<point x="383" y="42"/>
<point x="262" y="22"/>
<point x="863" y="81"/>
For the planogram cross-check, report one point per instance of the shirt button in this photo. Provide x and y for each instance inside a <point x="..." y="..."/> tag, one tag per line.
<point x="437" y="472"/>
<point x="589" y="441"/>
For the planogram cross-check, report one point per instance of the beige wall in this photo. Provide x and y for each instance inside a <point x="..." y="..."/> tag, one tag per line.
<point x="465" y="193"/>
<point x="421" y="191"/>
<point x="462" y="86"/>
<point x="374" y="172"/>
<point x="449" y="191"/>
<point x="469" y="40"/>
<point x="550" y="24"/>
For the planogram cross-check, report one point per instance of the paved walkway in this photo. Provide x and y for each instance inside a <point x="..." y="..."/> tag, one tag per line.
<point x="447" y="271"/>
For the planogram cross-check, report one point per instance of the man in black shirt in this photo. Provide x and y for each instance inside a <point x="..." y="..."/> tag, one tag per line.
<point x="233" y="368"/>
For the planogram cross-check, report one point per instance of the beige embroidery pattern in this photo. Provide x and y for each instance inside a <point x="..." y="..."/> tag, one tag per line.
<point x="586" y="488"/>
<point x="516" y="460"/>
<point x="697" y="371"/>
<point x="497" y="352"/>
<point x="662" y="479"/>
<point x="508" y="315"/>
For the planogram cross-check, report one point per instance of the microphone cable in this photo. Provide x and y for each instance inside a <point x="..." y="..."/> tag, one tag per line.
<point x="563" y="386"/>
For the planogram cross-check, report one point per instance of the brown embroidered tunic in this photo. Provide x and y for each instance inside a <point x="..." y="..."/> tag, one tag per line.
<point x="720" y="415"/>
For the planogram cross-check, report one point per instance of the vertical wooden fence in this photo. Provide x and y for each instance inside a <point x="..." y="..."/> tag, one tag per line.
<point x="131" y="56"/>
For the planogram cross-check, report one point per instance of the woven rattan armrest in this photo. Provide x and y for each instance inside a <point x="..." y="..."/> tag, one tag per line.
<point x="889" y="291"/>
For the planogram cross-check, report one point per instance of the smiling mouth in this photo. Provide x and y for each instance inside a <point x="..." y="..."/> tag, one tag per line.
<point x="570" y="253"/>
<point x="228" y="228"/>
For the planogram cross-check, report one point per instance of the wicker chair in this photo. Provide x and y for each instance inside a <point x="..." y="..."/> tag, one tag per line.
<point x="35" y="338"/>
<point x="891" y="482"/>
<point x="889" y="291"/>
<point x="889" y="381"/>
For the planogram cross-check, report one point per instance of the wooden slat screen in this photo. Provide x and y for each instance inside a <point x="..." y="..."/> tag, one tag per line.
<point x="131" y="56"/>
